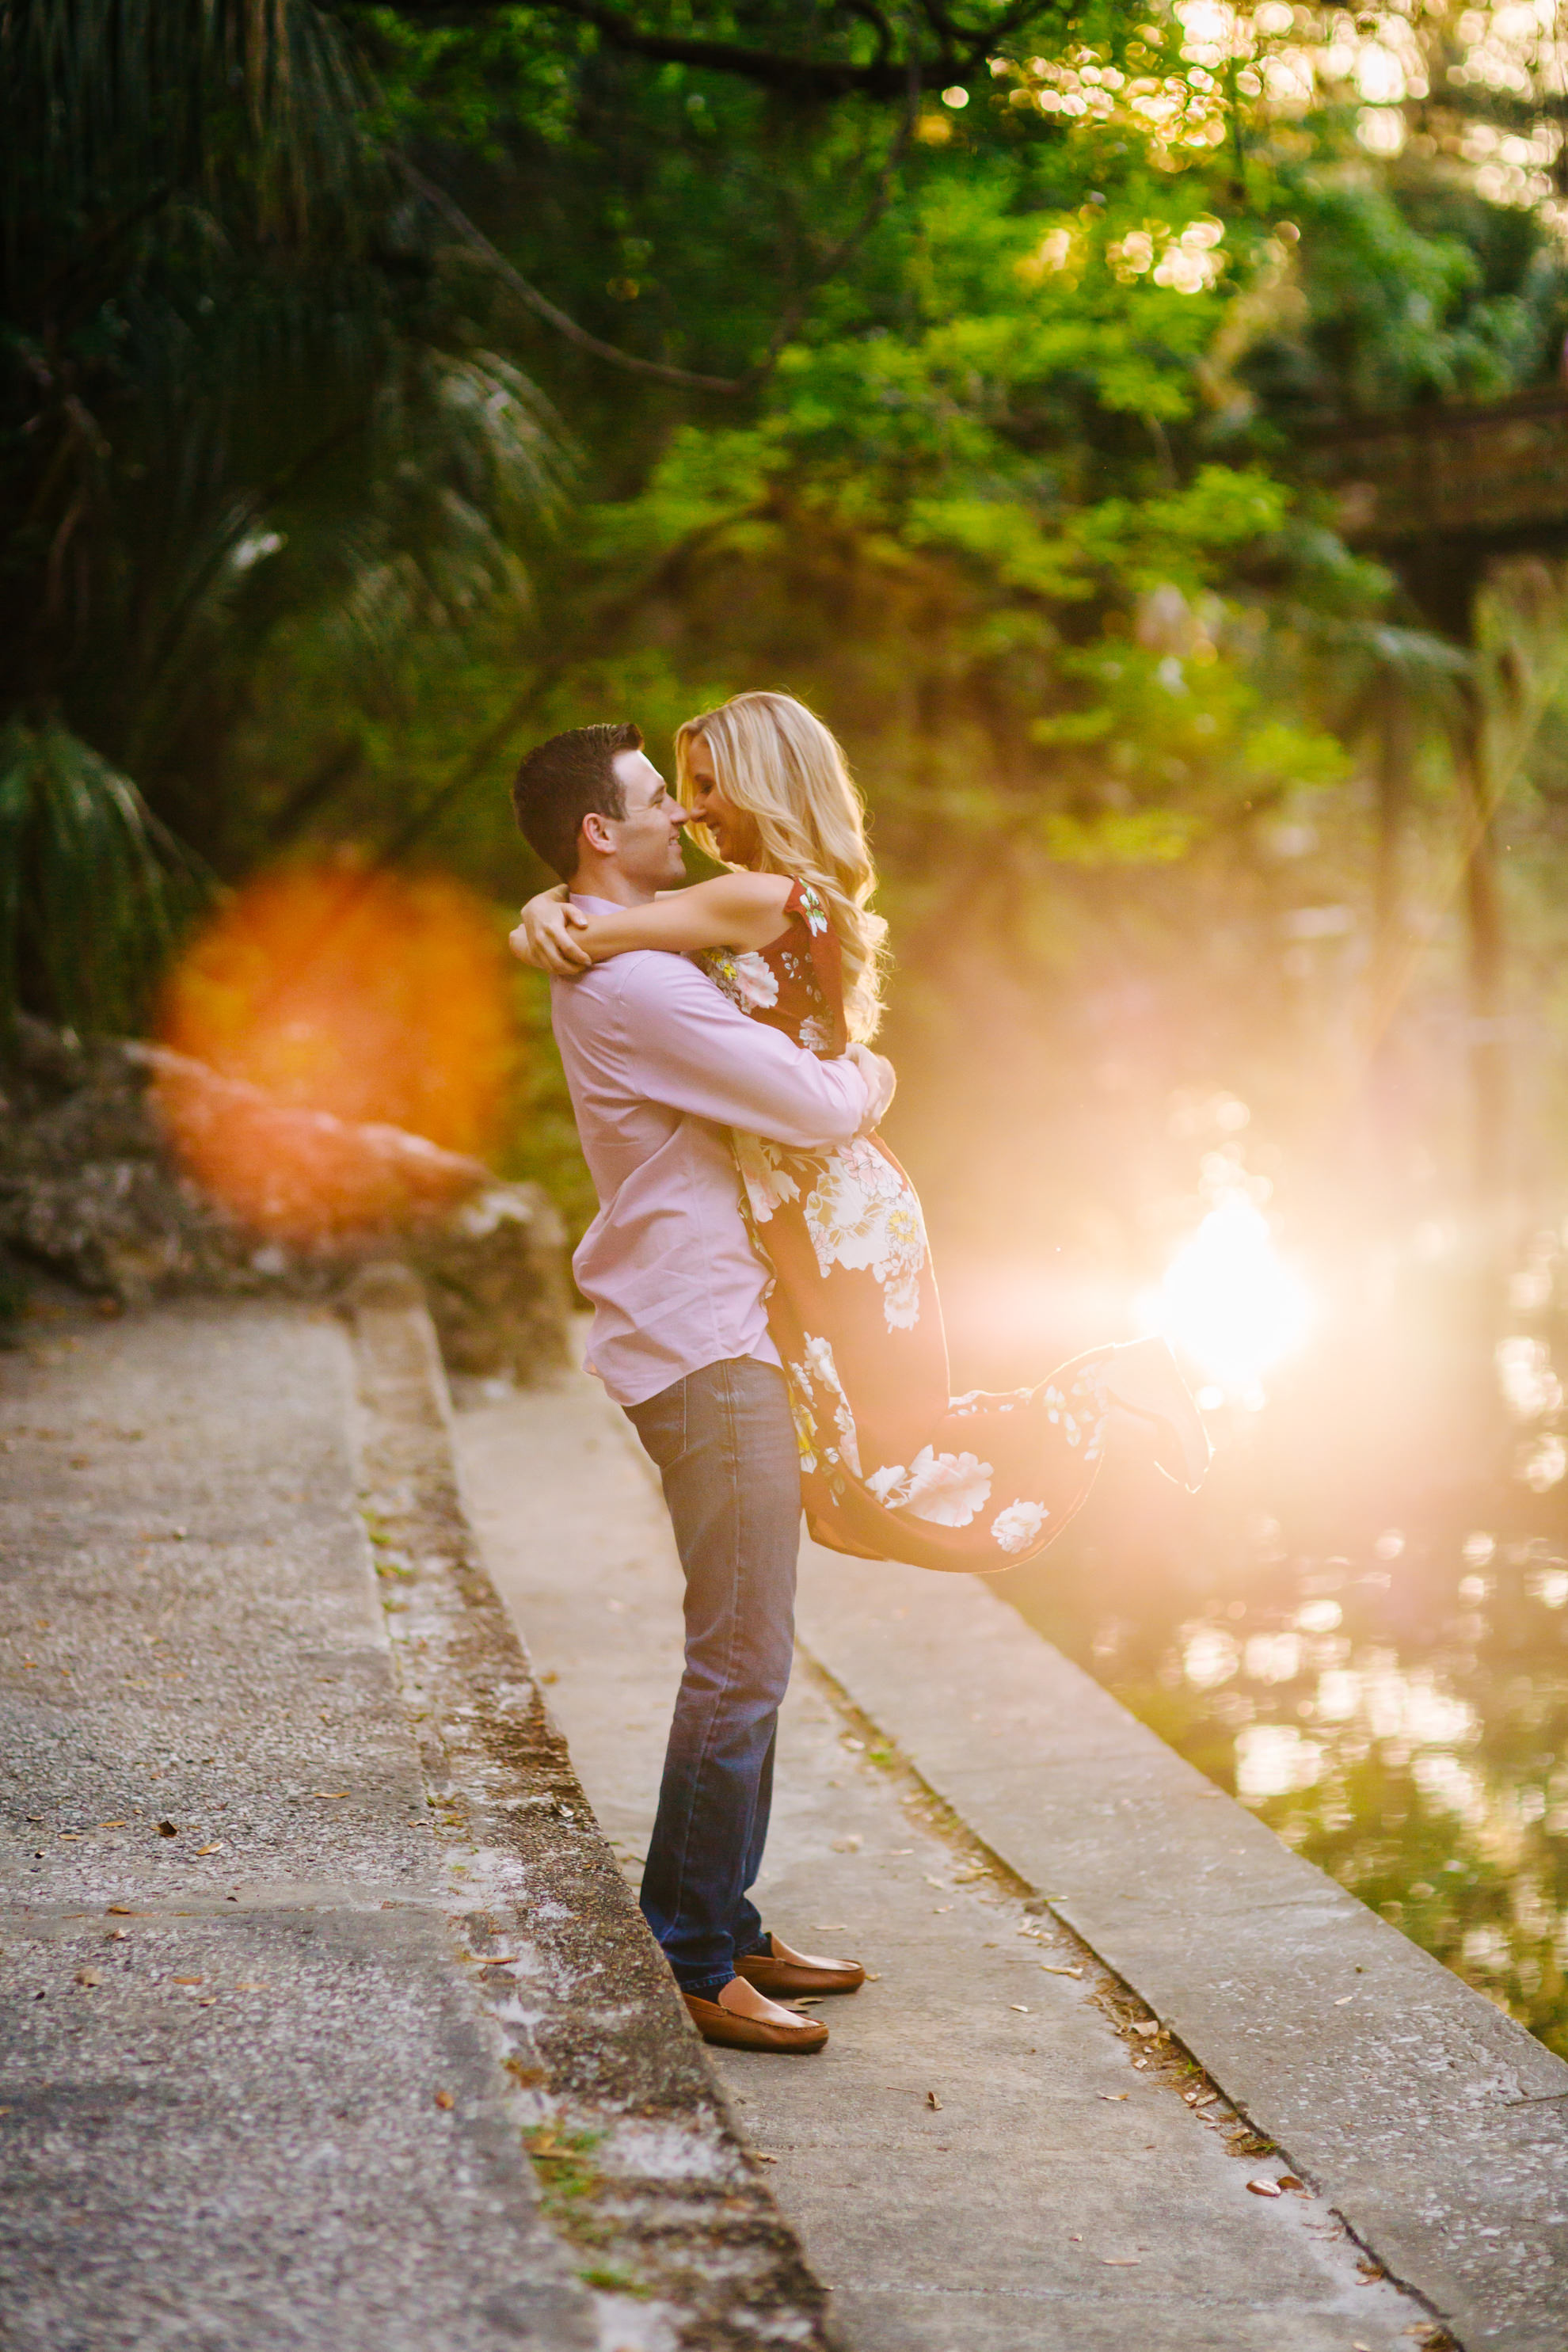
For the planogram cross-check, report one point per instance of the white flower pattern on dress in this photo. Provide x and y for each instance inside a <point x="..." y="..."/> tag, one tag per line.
<point x="862" y="1215"/>
<point x="804" y="1419"/>
<point x="758" y="981"/>
<point x="1016" y="1528"/>
<point x="748" y="980"/>
<point x="767" y="1180"/>
<point x="820" y="1371"/>
<point x="945" y="1488"/>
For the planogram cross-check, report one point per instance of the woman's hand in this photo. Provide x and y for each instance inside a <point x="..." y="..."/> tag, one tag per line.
<point x="543" y="937"/>
<point x="879" y="1076"/>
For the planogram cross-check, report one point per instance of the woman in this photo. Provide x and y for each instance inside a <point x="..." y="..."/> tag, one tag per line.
<point x="894" y="1466"/>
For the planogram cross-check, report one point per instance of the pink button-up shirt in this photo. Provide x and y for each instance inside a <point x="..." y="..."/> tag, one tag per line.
<point x="660" y="1063"/>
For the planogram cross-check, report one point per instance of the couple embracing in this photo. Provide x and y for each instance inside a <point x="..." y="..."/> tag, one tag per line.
<point x="764" y="1308"/>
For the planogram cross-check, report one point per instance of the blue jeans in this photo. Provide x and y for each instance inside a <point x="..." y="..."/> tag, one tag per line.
<point x="724" y="1443"/>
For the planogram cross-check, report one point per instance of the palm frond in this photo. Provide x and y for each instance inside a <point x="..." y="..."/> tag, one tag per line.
<point x="93" y="888"/>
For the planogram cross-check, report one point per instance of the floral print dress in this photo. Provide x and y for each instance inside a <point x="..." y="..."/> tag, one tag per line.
<point x="894" y="1466"/>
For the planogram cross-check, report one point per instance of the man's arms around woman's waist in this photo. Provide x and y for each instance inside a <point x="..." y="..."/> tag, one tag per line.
<point x="655" y="1028"/>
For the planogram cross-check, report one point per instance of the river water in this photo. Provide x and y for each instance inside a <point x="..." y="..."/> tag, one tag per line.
<point x="1361" y="1627"/>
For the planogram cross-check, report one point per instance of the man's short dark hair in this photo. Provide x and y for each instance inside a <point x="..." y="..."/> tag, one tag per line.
<point x="567" y="779"/>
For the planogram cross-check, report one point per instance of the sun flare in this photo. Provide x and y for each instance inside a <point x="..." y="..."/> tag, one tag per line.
<point x="368" y="999"/>
<point x="1230" y="1302"/>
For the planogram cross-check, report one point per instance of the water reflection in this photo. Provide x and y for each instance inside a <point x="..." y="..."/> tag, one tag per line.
<point x="1362" y="1627"/>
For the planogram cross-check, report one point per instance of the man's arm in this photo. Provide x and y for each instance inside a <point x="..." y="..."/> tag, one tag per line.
<point x="691" y="1048"/>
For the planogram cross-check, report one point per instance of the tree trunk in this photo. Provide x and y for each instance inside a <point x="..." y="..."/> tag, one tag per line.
<point x="1489" y="1155"/>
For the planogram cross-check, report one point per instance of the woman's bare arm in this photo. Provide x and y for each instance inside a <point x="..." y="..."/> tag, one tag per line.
<point x="733" y="910"/>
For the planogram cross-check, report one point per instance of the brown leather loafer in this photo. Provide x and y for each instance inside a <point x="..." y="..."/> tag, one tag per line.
<point x="785" y="1975"/>
<point x="742" y="2018"/>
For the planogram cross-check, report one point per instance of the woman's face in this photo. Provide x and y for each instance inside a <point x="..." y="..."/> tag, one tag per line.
<point x="733" y="830"/>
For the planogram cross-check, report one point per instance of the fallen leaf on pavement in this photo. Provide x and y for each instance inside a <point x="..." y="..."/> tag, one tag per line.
<point x="1288" y="2181"/>
<point x="184" y="1980"/>
<point x="1343" y="1998"/>
<point x="114" y="1826"/>
<point x="764" y="2159"/>
<point x="210" y="1849"/>
<point x="932" y="2101"/>
<point x="329" y="1792"/>
<point x="1114" y="2096"/>
<point x="445" y="2099"/>
<point x="89" y="1976"/>
<point x="1147" y="2026"/>
<point x="166" y="1829"/>
<point x="1265" y="2187"/>
<point x="830" y="1927"/>
<point x="1019" y="2007"/>
<point x="1122" y="2261"/>
<point x="1053" y="1971"/>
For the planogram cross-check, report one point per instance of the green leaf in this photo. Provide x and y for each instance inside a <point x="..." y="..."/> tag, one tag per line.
<point x="93" y="888"/>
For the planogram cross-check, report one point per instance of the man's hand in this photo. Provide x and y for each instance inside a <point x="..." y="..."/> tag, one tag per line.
<point x="882" y="1079"/>
<point x="544" y="935"/>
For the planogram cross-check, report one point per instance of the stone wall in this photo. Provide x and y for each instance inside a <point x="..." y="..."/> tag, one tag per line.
<point x="93" y="1193"/>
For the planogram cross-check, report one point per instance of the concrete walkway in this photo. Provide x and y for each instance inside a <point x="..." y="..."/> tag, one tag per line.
<point x="328" y="2022"/>
<point x="990" y="2155"/>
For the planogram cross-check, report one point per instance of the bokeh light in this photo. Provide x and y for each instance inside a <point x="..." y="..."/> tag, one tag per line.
<point x="334" y="998"/>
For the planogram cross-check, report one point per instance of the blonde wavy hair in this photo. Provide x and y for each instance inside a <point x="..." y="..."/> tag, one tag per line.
<point x="774" y="759"/>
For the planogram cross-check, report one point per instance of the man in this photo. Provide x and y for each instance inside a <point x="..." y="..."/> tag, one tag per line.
<point x="660" y="1065"/>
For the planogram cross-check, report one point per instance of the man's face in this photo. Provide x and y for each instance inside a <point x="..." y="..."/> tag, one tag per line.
<point x="644" y="845"/>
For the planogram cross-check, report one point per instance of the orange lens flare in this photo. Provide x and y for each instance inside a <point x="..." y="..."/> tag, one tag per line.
<point x="331" y="999"/>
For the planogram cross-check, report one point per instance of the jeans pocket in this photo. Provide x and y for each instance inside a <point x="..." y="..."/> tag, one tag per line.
<point x="660" y="1422"/>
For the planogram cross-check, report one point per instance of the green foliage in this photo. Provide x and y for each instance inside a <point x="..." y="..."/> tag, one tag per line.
<point x="237" y="385"/>
<point x="92" y="888"/>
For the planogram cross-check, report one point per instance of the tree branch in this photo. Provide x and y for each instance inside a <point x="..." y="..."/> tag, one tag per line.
<point x="961" y="52"/>
<point x="542" y="308"/>
<point x="790" y="317"/>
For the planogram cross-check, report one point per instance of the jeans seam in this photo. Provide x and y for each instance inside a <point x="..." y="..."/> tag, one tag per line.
<point x="729" y="1674"/>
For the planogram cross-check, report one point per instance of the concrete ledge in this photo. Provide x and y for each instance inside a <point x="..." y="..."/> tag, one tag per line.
<point x="640" y="2165"/>
<point x="1436" y="2126"/>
